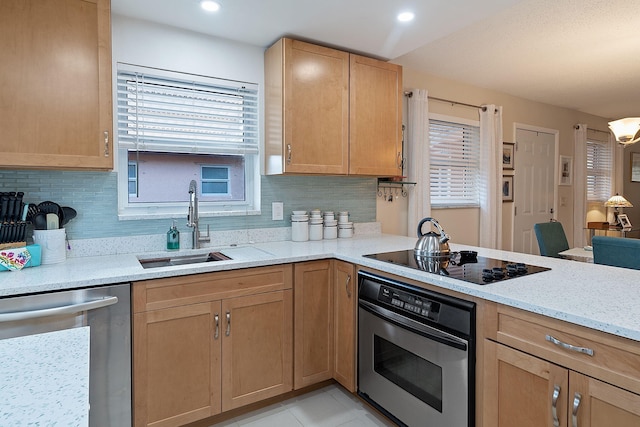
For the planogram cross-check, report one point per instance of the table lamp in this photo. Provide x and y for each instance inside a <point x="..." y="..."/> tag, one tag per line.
<point x="616" y="202"/>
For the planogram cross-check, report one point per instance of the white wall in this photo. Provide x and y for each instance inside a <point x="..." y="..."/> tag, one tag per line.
<point x="463" y="224"/>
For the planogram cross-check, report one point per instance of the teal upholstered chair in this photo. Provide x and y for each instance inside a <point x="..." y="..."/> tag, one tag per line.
<point x="551" y="238"/>
<point x="616" y="251"/>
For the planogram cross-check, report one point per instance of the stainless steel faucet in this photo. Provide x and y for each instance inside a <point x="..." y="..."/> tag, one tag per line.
<point x="193" y="218"/>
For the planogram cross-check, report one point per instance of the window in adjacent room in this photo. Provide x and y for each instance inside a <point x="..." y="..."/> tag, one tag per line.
<point x="455" y="164"/>
<point x="174" y="128"/>
<point x="599" y="170"/>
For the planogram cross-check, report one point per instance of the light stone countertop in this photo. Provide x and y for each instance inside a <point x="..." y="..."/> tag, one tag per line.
<point x="599" y="297"/>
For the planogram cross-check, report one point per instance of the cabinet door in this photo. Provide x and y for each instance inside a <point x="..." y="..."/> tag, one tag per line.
<point x="522" y="390"/>
<point x="256" y="348"/>
<point x="55" y="69"/>
<point x="375" y="117"/>
<point x="345" y="305"/>
<point x="593" y="403"/>
<point x="176" y="365"/>
<point x="307" y="109"/>
<point x="313" y="351"/>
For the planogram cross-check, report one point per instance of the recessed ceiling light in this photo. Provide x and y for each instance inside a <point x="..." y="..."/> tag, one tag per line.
<point x="406" y="16"/>
<point x="210" y="5"/>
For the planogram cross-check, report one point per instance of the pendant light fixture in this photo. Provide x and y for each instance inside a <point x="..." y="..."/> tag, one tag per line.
<point x="626" y="131"/>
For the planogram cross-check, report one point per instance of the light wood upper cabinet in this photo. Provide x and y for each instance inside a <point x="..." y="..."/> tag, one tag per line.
<point x="55" y="69"/>
<point x="307" y="109"/>
<point x="331" y="112"/>
<point x="375" y="117"/>
<point x="313" y="335"/>
<point x="345" y="303"/>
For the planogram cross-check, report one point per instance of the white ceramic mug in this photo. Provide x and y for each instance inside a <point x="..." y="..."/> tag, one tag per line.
<point x="52" y="244"/>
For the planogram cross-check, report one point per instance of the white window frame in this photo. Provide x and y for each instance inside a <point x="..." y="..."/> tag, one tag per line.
<point x="227" y="180"/>
<point x="598" y="191"/>
<point x="137" y="211"/>
<point x="134" y="179"/>
<point x="466" y="202"/>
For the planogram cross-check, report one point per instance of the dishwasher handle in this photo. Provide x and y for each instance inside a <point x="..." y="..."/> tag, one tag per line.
<point x="55" y="311"/>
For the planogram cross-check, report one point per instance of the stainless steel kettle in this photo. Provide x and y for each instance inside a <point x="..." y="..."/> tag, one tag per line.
<point x="431" y="244"/>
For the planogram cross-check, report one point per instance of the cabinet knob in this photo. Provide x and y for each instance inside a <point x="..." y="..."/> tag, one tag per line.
<point x="347" y="285"/>
<point x="288" y="154"/>
<point x="576" y="405"/>
<point x="228" y="324"/>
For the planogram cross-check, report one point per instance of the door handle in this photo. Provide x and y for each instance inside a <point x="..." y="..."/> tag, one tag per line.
<point x="576" y="405"/>
<point x="347" y="285"/>
<point x="228" y="332"/>
<point x="554" y="405"/>
<point x="216" y="334"/>
<point x="55" y="311"/>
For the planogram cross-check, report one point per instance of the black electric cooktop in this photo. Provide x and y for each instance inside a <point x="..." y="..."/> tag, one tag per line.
<point x="466" y="266"/>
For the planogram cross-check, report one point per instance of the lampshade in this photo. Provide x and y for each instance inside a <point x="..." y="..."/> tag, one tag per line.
<point x="618" y="201"/>
<point x="626" y="130"/>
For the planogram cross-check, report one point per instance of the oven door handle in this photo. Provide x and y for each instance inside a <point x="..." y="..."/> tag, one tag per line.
<point x="414" y="326"/>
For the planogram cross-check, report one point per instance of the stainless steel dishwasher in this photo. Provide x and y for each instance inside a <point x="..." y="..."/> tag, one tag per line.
<point x="72" y="344"/>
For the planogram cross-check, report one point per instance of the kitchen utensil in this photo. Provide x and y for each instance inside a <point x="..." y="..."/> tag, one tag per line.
<point x="431" y="244"/>
<point x="53" y="222"/>
<point x="40" y="221"/>
<point x="51" y="207"/>
<point x="67" y="215"/>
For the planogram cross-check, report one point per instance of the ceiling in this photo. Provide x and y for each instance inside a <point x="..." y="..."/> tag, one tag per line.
<point x="579" y="54"/>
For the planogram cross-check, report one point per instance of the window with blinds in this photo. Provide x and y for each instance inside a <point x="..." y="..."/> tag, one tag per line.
<point x="175" y="127"/>
<point x="455" y="163"/>
<point x="599" y="170"/>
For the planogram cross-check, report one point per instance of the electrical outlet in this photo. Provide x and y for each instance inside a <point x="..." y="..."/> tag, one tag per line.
<point x="277" y="211"/>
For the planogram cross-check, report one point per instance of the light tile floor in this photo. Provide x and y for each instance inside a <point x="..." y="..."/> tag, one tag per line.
<point x="330" y="406"/>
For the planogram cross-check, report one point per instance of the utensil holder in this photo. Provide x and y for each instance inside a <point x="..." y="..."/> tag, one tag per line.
<point x="52" y="243"/>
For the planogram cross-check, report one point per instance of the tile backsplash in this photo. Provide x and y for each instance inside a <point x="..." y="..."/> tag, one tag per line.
<point x="94" y="196"/>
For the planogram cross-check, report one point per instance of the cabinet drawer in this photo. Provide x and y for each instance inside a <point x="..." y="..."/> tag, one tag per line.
<point x="598" y="354"/>
<point x="182" y="290"/>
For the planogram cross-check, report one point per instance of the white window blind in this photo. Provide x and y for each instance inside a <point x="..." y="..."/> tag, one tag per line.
<point x="599" y="170"/>
<point x="454" y="168"/>
<point x="168" y="114"/>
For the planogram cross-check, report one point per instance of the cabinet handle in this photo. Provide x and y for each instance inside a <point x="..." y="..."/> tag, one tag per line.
<point x="554" y="405"/>
<point x="569" y="347"/>
<point x="228" y="324"/>
<point x="347" y="285"/>
<point x="216" y="334"/>
<point x="576" y="404"/>
<point x="106" y="143"/>
<point x="399" y="161"/>
<point x="288" y="154"/>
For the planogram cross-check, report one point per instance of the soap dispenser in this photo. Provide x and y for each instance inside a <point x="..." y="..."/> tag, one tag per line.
<point x="173" y="238"/>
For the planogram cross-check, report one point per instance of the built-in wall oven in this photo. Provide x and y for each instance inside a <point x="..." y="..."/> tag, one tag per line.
<point x="416" y="353"/>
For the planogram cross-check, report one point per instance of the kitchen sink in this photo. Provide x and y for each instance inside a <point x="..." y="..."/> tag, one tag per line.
<point x="183" y="260"/>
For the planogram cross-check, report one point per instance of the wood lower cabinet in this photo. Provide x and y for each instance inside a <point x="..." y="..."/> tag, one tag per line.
<point x="313" y="335"/>
<point x="55" y="69"/>
<point x="345" y="305"/>
<point x="543" y="372"/>
<point x="530" y="392"/>
<point x="211" y="342"/>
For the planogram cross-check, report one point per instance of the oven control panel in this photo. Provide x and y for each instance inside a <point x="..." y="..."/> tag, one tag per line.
<point x="414" y="304"/>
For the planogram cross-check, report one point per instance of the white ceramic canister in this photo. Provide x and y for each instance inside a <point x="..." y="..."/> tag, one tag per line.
<point x="343" y="217"/>
<point x="330" y="230"/>
<point x="328" y="216"/>
<point x="300" y="231"/>
<point x="52" y="244"/>
<point x="345" y="229"/>
<point x="315" y="231"/>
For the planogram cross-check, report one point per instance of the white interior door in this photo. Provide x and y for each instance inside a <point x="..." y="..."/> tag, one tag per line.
<point x="533" y="186"/>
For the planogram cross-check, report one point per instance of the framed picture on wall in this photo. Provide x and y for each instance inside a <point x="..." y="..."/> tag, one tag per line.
<point x="635" y="167"/>
<point x="566" y="170"/>
<point x="507" y="188"/>
<point x="508" y="149"/>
